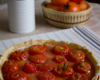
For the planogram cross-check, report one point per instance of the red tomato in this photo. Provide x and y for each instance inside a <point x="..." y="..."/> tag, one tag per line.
<point x="46" y="76"/>
<point x="59" y="2"/>
<point x="76" y="56"/>
<point x="77" y="1"/>
<point x="82" y="6"/>
<point x="78" y="76"/>
<point x="60" y="59"/>
<point x="84" y="77"/>
<point x="61" y="50"/>
<point x="63" y="70"/>
<point x="18" y="75"/>
<point x="19" y="55"/>
<point x="48" y="66"/>
<point x="37" y="58"/>
<point x="82" y="67"/>
<point x="70" y="7"/>
<point x="9" y="66"/>
<point x="6" y="76"/>
<point x="37" y="49"/>
<point x="30" y="68"/>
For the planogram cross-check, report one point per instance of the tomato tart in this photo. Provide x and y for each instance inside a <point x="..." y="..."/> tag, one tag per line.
<point x="48" y="60"/>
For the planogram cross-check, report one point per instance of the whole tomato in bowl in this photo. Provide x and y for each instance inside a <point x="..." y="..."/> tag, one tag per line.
<point x="59" y="2"/>
<point x="77" y="1"/>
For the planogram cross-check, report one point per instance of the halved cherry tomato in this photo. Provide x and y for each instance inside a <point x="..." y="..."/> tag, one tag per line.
<point x="60" y="59"/>
<point x="61" y="50"/>
<point x="76" y="56"/>
<point x="48" y="66"/>
<point x="30" y="68"/>
<point x="63" y="70"/>
<point x="84" y="77"/>
<point x="46" y="76"/>
<point x="70" y="7"/>
<point x="37" y="49"/>
<point x="82" y="6"/>
<point x="37" y="58"/>
<point x="19" y="55"/>
<point x="6" y="76"/>
<point x="18" y="75"/>
<point x="76" y="1"/>
<point x="9" y="66"/>
<point x="78" y="76"/>
<point x="82" y="67"/>
<point x="59" y="2"/>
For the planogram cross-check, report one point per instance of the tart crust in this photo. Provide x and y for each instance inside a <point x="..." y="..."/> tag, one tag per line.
<point x="29" y="43"/>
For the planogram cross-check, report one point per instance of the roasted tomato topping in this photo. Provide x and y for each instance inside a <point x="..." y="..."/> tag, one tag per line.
<point x="18" y="75"/>
<point x="60" y="59"/>
<point x="82" y="67"/>
<point x="37" y="49"/>
<point x="76" y="56"/>
<point x="37" y="58"/>
<point x="19" y="55"/>
<point x="63" y="70"/>
<point x="78" y="76"/>
<point x="48" y="66"/>
<point x="61" y="50"/>
<point x="30" y="68"/>
<point x="46" y="76"/>
<point x="9" y="66"/>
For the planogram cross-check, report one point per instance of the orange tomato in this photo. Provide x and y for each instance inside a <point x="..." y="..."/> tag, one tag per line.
<point x="82" y="6"/>
<point x="59" y="2"/>
<point x="77" y="1"/>
<point x="49" y="5"/>
<point x="70" y="7"/>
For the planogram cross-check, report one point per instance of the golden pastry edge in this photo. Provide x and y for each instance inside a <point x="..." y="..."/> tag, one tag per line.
<point x="29" y="43"/>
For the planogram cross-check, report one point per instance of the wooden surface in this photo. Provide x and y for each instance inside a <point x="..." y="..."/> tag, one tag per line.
<point x="41" y="25"/>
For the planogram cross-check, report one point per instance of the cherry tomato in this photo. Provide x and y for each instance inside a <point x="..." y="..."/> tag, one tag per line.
<point x="49" y="5"/>
<point x="48" y="66"/>
<point x="61" y="50"/>
<point x="37" y="49"/>
<point x="76" y="56"/>
<point x="19" y="55"/>
<point x="77" y="1"/>
<point x="84" y="77"/>
<point x="37" y="58"/>
<point x="46" y="76"/>
<point x="30" y="68"/>
<point x="78" y="76"/>
<point x="82" y="6"/>
<point x="9" y="66"/>
<point x="59" y="2"/>
<point x="18" y="75"/>
<point x="82" y="67"/>
<point x="63" y="70"/>
<point x="70" y="7"/>
<point x="60" y="59"/>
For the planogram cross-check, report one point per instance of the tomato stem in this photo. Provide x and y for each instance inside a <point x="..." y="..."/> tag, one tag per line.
<point x="66" y="6"/>
<point x="64" y="67"/>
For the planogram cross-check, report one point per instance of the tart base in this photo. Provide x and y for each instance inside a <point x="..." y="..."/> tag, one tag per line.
<point x="29" y="43"/>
